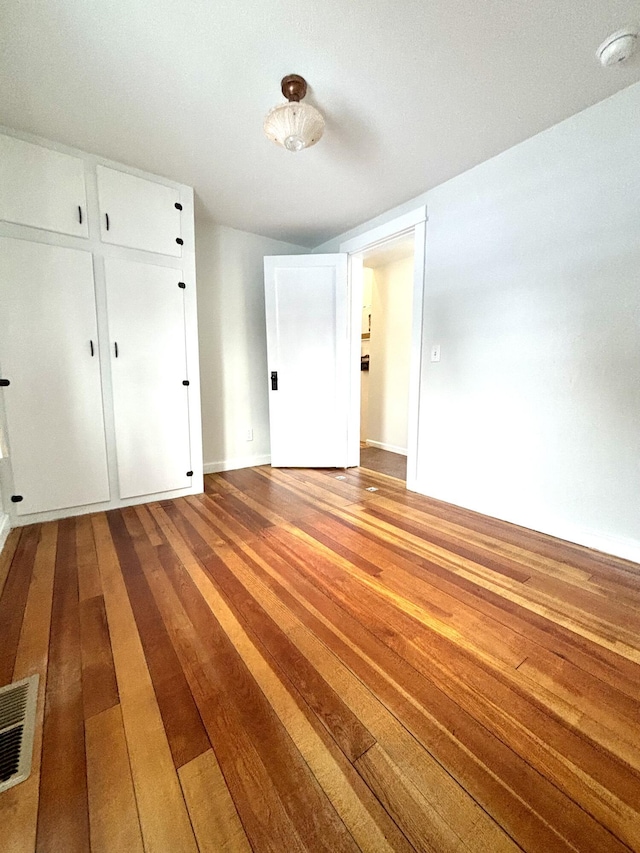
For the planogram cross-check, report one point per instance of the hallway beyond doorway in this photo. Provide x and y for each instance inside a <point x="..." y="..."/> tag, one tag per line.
<point x="383" y="461"/>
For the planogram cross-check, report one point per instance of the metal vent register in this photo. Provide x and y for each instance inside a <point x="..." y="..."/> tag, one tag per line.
<point x="17" y="717"/>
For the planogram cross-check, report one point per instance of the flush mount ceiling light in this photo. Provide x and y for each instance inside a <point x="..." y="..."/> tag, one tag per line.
<point x="294" y="125"/>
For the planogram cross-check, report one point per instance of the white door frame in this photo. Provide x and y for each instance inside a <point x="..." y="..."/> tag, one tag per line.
<point x="415" y="221"/>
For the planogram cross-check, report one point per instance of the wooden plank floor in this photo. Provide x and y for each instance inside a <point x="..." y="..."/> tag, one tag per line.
<point x="293" y="663"/>
<point x="383" y="461"/>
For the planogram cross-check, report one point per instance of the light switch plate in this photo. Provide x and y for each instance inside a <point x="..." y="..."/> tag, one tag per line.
<point x="435" y="352"/>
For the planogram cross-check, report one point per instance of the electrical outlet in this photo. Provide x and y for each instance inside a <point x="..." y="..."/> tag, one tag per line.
<point x="249" y="435"/>
<point x="435" y="352"/>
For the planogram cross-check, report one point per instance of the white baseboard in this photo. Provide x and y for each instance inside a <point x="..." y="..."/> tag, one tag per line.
<point x="616" y="546"/>
<point x="5" y="527"/>
<point x="392" y="448"/>
<point x="234" y="464"/>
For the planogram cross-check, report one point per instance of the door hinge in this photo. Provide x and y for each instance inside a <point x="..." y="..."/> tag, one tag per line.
<point x="185" y="381"/>
<point x="274" y="380"/>
<point x="189" y="473"/>
<point x="182" y="284"/>
<point x="15" y="499"/>
<point x="4" y="382"/>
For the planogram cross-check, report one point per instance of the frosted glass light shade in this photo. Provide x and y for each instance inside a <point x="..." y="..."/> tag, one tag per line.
<point x="294" y="125"/>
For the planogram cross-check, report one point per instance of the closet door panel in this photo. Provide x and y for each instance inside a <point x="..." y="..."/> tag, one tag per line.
<point x="42" y="188"/>
<point x="148" y="362"/>
<point x="54" y="401"/>
<point x="138" y="213"/>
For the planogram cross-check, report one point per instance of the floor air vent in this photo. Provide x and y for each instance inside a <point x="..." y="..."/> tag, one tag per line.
<point x="17" y="717"/>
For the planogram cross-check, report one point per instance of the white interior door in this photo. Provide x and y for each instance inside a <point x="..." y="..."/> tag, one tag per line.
<point x="308" y="359"/>
<point x="145" y="308"/>
<point x="138" y="213"/>
<point x="49" y="354"/>
<point x="42" y="188"/>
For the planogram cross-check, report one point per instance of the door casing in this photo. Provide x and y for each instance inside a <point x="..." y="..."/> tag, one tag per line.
<point x="414" y="221"/>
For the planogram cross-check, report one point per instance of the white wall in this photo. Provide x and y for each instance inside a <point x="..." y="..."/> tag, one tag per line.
<point x="388" y="398"/>
<point x="532" y="291"/>
<point x="233" y="349"/>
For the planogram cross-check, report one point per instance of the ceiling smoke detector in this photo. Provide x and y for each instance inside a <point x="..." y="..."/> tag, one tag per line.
<point x="618" y="47"/>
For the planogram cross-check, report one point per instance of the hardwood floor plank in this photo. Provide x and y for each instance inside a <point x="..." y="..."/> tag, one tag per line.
<point x="14" y="599"/>
<point x="150" y="528"/>
<point x="163" y="815"/>
<point x="604" y="664"/>
<point x="421" y="823"/>
<point x="263" y="813"/>
<point x="183" y="726"/>
<point x="474" y="641"/>
<point x="369" y="826"/>
<point x="99" y="687"/>
<point x="289" y="662"/>
<point x="257" y="494"/>
<point x="19" y="805"/>
<point x="527" y="784"/>
<point x="113" y="815"/>
<point x="561" y="613"/>
<point x="349" y="733"/>
<point x="452" y="801"/>
<point x="215" y="819"/>
<point x="305" y="804"/>
<point x="504" y="689"/>
<point x="6" y="555"/>
<point x="89" y="585"/>
<point x="63" y="814"/>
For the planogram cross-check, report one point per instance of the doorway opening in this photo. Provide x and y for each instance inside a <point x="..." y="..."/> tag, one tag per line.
<point x="387" y="296"/>
<point x="395" y="240"/>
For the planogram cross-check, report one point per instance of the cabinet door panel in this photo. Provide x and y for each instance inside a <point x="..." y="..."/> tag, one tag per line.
<point x="54" y="402"/>
<point x="138" y="213"/>
<point x="42" y="188"/>
<point x="146" y="322"/>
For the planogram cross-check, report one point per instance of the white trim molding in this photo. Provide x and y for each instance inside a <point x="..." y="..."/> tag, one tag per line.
<point x="235" y="464"/>
<point x="392" y="448"/>
<point x="384" y="232"/>
<point x="5" y="527"/>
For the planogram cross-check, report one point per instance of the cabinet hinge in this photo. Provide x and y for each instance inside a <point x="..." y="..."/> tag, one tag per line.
<point x="185" y="381"/>
<point x="4" y="382"/>
<point x="178" y="206"/>
<point x="15" y="499"/>
<point x="189" y="473"/>
<point x="182" y="284"/>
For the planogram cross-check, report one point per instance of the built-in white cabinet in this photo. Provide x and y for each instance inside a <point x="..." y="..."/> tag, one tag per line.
<point x="145" y="307"/>
<point x="139" y="213"/>
<point x="49" y="356"/>
<point x="99" y="377"/>
<point x="42" y="188"/>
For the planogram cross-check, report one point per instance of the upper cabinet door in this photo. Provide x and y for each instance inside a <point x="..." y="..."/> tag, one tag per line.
<point x="42" y="188"/>
<point x="138" y="213"/>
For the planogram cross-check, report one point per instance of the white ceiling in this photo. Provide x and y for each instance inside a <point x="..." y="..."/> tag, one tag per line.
<point x="413" y="91"/>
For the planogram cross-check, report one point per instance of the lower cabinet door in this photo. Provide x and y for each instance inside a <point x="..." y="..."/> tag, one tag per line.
<point x="49" y="355"/>
<point x="145" y="307"/>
